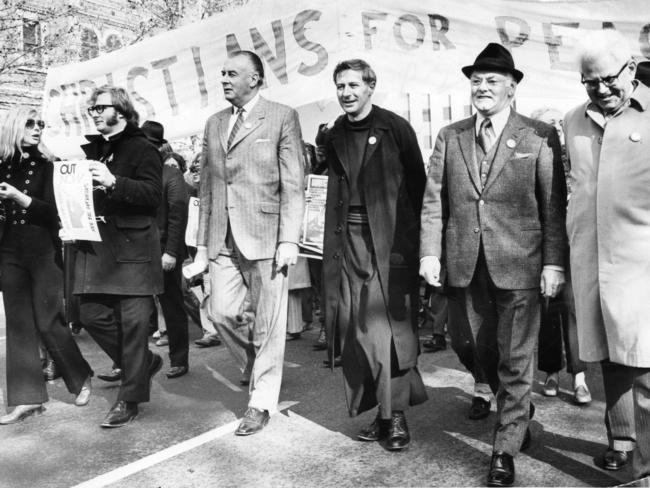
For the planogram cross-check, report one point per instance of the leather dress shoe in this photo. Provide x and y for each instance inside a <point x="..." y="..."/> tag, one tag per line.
<point x="293" y="336"/>
<point x="581" y="395"/>
<point x="337" y="362"/>
<point x="398" y="432"/>
<point x="83" y="397"/>
<point x="208" y="341"/>
<point x="502" y="470"/>
<point x="435" y="344"/>
<point x="614" y="460"/>
<point x="21" y="412"/>
<point x="376" y="431"/>
<point x="121" y="413"/>
<point x="550" y="387"/>
<point x="50" y="371"/>
<point x="254" y="420"/>
<point x="114" y="375"/>
<point x="176" y="371"/>
<point x="321" y="342"/>
<point x="480" y="408"/>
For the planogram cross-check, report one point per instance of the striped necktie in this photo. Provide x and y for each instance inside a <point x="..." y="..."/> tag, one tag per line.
<point x="235" y="128"/>
<point x="486" y="135"/>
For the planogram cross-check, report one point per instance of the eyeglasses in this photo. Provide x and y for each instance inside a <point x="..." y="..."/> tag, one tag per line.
<point x="98" y="109"/>
<point x="608" y="81"/>
<point x="31" y="123"/>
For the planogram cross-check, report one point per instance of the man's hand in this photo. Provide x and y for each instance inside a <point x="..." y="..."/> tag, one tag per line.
<point x="430" y="270"/>
<point x="551" y="282"/>
<point x="101" y="174"/>
<point x="65" y="239"/>
<point x="285" y="255"/>
<point x="168" y="262"/>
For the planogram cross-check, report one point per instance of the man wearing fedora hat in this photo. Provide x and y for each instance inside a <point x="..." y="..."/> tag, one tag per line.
<point x="493" y="215"/>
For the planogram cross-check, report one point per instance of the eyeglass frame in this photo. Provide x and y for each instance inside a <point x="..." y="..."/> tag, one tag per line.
<point x="99" y="109"/>
<point x="608" y="81"/>
<point x="33" y="123"/>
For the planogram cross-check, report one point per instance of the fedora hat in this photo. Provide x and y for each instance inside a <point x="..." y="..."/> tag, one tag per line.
<point x="154" y="131"/>
<point x="494" y="57"/>
<point x="643" y="72"/>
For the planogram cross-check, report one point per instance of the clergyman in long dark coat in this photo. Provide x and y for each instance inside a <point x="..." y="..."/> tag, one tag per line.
<point x="370" y="258"/>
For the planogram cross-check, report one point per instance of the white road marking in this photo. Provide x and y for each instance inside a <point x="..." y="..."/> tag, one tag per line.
<point x="222" y="379"/>
<point x="168" y="453"/>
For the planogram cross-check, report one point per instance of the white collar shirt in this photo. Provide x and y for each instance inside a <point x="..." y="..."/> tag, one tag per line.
<point x="247" y="110"/>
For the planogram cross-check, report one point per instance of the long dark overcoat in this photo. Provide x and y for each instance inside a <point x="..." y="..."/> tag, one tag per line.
<point x="392" y="180"/>
<point x="127" y="260"/>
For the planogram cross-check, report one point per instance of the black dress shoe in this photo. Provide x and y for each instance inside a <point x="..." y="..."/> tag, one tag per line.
<point x="120" y="414"/>
<point x="176" y="371"/>
<point x="208" y="341"/>
<point x="614" y="460"/>
<point x="50" y="371"/>
<point x="321" y="342"/>
<point x="435" y="344"/>
<point x="398" y="432"/>
<point x="480" y="408"/>
<point x="376" y="431"/>
<point x="502" y="470"/>
<point x="114" y="375"/>
<point x="337" y="362"/>
<point x="254" y="420"/>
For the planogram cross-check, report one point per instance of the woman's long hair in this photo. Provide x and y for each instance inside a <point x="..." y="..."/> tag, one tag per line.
<point x="12" y="132"/>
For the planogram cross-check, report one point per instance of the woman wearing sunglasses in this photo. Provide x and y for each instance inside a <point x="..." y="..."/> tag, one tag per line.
<point x="31" y="270"/>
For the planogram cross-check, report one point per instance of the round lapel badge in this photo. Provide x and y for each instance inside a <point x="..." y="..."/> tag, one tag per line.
<point x="510" y="143"/>
<point x="372" y="140"/>
<point x="635" y="137"/>
<point x="247" y="125"/>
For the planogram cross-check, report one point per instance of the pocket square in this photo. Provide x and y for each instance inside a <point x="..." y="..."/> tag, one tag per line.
<point x="262" y="140"/>
<point x="519" y="155"/>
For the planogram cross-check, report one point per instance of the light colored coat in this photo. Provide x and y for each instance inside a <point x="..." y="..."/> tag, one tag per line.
<point x="608" y="223"/>
<point x="257" y="184"/>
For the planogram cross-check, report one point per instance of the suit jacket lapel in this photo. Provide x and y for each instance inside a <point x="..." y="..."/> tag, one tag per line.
<point x="253" y="121"/>
<point x="508" y="141"/>
<point x="224" y="118"/>
<point x="467" y="143"/>
<point x="338" y="143"/>
<point x="377" y="130"/>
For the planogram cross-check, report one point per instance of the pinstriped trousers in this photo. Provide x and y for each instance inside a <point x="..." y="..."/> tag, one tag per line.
<point x="627" y="414"/>
<point x="248" y="306"/>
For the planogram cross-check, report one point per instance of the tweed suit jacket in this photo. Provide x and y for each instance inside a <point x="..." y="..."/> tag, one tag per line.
<point x="257" y="185"/>
<point x="519" y="214"/>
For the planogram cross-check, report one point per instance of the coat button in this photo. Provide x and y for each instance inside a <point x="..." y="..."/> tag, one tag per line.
<point x="336" y="255"/>
<point x="22" y="221"/>
<point x="341" y="178"/>
<point x="340" y="203"/>
<point x="476" y="230"/>
<point x="338" y="229"/>
<point x="27" y="182"/>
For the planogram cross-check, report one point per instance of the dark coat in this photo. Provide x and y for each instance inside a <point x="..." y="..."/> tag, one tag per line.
<point x="127" y="260"/>
<point x="393" y="180"/>
<point x="172" y="213"/>
<point x="518" y="215"/>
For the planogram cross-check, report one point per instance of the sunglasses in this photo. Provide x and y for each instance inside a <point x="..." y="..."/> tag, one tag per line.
<point x="31" y="123"/>
<point x="98" y="109"/>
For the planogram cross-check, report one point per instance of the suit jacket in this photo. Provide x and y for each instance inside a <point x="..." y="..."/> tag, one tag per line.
<point x="127" y="260"/>
<point x="519" y="214"/>
<point x="257" y="185"/>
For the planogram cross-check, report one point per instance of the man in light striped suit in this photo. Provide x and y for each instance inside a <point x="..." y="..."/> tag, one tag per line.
<point x="252" y="205"/>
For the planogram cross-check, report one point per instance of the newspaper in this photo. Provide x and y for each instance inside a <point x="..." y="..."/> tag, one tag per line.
<point x="192" y="229"/>
<point x="313" y="225"/>
<point x="73" y="192"/>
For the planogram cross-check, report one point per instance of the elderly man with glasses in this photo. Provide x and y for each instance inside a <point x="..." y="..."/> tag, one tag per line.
<point x="608" y="224"/>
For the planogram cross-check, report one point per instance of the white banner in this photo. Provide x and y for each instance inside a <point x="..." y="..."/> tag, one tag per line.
<point x="73" y="192"/>
<point x="417" y="49"/>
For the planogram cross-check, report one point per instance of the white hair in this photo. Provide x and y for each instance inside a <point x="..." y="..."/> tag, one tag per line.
<point x="600" y="44"/>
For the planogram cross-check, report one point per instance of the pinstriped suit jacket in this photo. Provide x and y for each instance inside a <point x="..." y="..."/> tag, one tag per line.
<point x="257" y="184"/>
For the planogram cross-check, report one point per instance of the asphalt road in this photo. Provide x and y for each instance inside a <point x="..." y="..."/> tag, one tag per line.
<point x="184" y="436"/>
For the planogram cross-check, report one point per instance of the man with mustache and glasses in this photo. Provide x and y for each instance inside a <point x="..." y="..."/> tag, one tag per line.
<point x="117" y="277"/>
<point x="493" y="215"/>
<point x="608" y="223"/>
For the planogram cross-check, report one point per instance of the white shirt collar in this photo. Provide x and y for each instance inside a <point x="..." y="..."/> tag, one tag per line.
<point x="499" y="121"/>
<point x="247" y="106"/>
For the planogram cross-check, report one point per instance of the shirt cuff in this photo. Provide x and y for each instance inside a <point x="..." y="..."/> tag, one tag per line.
<point x="554" y="267"/>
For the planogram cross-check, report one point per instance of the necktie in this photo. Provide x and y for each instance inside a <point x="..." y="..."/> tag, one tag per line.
<point x="235" y="128"/>
<point x="486" y="135"/>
